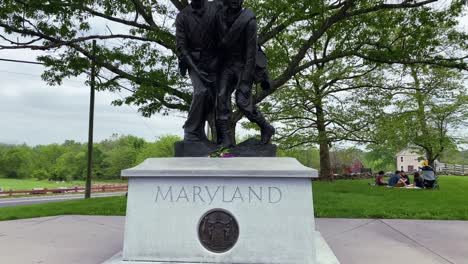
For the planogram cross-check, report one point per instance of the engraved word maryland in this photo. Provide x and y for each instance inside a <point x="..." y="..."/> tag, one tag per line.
<point x="226" y="194"/>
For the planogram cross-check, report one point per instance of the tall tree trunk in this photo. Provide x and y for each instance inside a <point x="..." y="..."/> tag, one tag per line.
<point x="325" y="164"/>
<point x="421" y="119"/>
<point x="430" y="158"/>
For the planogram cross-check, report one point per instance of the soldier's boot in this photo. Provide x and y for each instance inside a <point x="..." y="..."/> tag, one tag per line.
<point x="202" y="135"/>
<point x="224" y="134"/>
<point x="267" y="130"/>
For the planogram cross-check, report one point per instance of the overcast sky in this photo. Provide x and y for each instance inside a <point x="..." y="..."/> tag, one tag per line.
<point x="33" y="113"/>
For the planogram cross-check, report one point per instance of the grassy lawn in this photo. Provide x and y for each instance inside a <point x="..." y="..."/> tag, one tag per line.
<point x="355" y="199"/>
<point x="28" y="184"/>
<point x="96" y="206"/>
<point x="344" y="199"/>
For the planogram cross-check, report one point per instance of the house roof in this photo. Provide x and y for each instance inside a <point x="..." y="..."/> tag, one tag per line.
<point x="408" y="152"/>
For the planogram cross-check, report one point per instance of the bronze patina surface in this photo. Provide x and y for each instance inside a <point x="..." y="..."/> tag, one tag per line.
<point x="218" y="231"/>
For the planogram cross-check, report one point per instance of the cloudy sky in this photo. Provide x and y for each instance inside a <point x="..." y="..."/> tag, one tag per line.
<point x="33" y="113"/>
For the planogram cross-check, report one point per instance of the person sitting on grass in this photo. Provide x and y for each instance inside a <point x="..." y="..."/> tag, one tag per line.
<point x="405" y="178"/>
<point x="428" y="175"/>
<point x="379" y="180"/>
<point x="394" y="179"/>
<point x="418" y="180"/>
<point x="402" y="181"/>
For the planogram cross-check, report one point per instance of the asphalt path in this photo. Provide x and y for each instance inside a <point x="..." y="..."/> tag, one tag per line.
<point x="4" y="202"/>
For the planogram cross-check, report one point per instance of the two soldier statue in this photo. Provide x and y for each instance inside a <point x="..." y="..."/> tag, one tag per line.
<point x="217" y="46"/>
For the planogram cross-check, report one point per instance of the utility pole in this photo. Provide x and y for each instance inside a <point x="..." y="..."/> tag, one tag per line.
<point x="91" y="126"/>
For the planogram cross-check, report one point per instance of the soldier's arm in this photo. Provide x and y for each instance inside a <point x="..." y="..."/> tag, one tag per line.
<point x="181" y="36"/>
<point x="181" y="44"/>
<point x="251" y="51"/>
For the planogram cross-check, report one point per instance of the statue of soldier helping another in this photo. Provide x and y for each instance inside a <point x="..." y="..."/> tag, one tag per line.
<point x="217" y="47"/>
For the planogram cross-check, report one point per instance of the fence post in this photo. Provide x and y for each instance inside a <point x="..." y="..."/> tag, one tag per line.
<point x="11" y="192"/>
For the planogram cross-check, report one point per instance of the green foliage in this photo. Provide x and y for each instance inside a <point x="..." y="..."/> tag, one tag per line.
<point x="427" y="109"/>
<point x="68" y="161"/>
<point x="16" y="162"/>
<point x="222" y="153"/>
<point x="163" y="147"/>
<point x="378" y="161"/>
<point x="40" y="174"/>
<point x="454" y="156"/>
<point x="307" y="156"/>
<point x="136" y="50"/>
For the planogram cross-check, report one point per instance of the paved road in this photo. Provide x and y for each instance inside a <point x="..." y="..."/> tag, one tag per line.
<point x="4" y="202"/>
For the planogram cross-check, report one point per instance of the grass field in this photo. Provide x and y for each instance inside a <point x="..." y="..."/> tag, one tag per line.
<point x="344" y="199"/>
<point x="28" y="184"/>
<point x="355" y="199"/>
<point x="97" y="206"/>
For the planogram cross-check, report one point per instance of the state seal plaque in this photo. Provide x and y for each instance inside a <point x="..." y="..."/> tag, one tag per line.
<point x="218" y="231"/>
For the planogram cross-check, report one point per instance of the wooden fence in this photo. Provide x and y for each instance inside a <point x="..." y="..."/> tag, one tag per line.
<point x="452" y="169"/>
<point x="94" y="189"/>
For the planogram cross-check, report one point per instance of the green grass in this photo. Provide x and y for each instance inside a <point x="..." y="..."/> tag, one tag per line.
<point x="344" y="199"/>
<point x="28" y="184"/>
<point x="355" y="199"/>
<point x="96" y="206"/>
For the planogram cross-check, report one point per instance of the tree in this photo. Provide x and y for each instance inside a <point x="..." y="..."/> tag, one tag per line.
<point x="120" y="153"/>
<point x="307" y="156"/>
<point x="432" y="103"/>
<point x="16" y="162"/>
<point x="381" y="160"/>
<point x="162" y="148"/>
<point x="327" y="106"/>
<point x="339" y="98"/>
<point x="71" y="165"/>
<point x="136" y="50"/>
<point x="45" y="158"/>
<point x="292" y="33"/>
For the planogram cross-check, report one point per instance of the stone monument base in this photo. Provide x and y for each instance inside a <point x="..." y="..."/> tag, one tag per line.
<point x="324" y="255"/>
<point x="221" y="211"/>
<point x="249" y="148"/>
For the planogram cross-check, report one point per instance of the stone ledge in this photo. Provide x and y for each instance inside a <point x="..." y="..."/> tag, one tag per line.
<point x="262" y="167"/>
<point x="323" y="252"/>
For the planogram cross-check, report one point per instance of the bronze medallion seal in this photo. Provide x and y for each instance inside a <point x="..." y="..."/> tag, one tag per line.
<point x="218" y="231"/>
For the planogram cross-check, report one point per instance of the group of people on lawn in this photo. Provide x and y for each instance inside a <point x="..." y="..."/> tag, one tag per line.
<point x="426" y="179"/>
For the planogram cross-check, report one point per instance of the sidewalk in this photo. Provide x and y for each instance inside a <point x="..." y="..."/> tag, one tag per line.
<point x="94" y="239"/>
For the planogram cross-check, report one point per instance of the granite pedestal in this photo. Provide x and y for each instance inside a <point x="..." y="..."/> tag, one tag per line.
<point x="214" y="210"/>
<point x="252" y="147"/>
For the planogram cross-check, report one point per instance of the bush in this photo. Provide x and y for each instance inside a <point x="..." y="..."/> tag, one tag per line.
<point x="40" y="174"/>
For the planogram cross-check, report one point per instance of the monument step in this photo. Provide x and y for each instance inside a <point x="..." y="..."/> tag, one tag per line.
<point x="323" y="252"/>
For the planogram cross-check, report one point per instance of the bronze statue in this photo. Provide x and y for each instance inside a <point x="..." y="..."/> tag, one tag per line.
<point x="237" y="29"/>
<point x="217" y="44"/>
<point x="197" y="52"/>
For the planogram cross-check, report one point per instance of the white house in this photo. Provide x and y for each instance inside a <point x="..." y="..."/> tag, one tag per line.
<point x="408" y="160"/>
